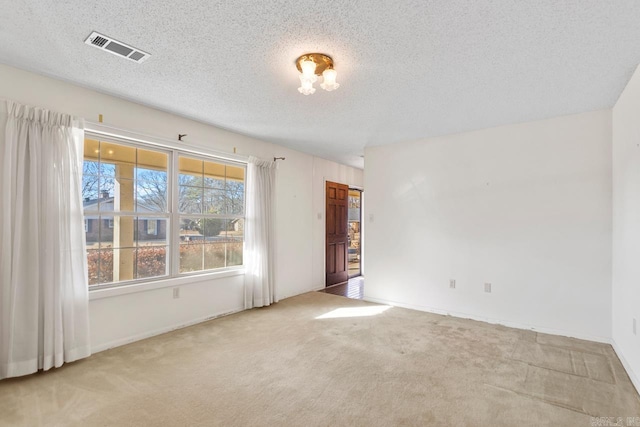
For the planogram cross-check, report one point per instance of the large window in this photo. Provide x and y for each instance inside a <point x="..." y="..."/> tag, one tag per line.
<point x="153" y="213"/>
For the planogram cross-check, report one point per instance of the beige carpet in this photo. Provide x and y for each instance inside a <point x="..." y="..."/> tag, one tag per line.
<point x="281" y="366"/>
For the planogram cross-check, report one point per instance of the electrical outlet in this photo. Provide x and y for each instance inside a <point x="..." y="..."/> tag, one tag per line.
<point x="487" y="287"/>
<point x="452" y="284"/>
<point x="634" y="326"/>
<point x="176" y="293"/>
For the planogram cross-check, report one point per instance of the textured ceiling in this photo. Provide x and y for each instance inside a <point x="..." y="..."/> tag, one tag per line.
<point x="408" y="68"/>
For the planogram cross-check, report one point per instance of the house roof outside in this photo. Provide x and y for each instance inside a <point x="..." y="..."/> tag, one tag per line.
<point x="107" y="205"/>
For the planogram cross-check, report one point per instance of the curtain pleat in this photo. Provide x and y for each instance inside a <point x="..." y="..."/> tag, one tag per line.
<point x="44" y="298"/>
<point x="259" y="234"/>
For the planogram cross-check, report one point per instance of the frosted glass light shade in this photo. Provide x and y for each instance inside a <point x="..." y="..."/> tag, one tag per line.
<point x="306" y="86"/>
<point x="329" y="83"/>
<point x="308" y="68"/>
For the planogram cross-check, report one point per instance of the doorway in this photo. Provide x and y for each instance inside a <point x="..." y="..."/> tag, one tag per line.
<point x="354" y="257"/>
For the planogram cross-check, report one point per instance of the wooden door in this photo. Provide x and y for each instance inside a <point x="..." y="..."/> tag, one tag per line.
<point x="337" y="237"/>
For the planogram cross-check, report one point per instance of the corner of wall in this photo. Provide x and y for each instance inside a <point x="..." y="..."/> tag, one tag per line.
<point x="625" y="275"/>
<point x="627" y="366"/>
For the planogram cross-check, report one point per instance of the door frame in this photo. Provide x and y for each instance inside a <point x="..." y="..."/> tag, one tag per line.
<point x="360" y="273"/>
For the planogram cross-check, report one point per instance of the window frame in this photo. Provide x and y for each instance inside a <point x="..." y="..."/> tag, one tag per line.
<point x="171" y="215"/>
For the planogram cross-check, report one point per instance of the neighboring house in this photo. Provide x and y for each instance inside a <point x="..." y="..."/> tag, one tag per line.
<point x="146" y="229"/>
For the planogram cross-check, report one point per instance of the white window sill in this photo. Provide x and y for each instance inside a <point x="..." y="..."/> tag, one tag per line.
<point x="162" y="283"/>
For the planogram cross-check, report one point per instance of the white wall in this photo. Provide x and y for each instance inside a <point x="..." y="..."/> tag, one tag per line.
<point x="525" y="207"/>
<point x="299" y="197"/>
<point x="626" y="227"/>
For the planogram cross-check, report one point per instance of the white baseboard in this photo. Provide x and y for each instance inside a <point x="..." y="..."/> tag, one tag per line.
<point x="626" y="365"/>
<point x="516" y="325"/>
<point x="128" y="340"/>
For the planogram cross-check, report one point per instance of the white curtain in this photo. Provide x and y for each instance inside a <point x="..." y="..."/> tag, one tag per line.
<point x="259" y="234"/>
<point x="44" y="299"/>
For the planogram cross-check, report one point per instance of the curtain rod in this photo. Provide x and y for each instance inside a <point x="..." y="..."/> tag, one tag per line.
<point x="102" y="129"/>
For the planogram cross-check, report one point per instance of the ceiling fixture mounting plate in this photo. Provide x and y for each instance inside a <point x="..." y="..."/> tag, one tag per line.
<point x="123" y="50"/>
<point x="322" y="62"/>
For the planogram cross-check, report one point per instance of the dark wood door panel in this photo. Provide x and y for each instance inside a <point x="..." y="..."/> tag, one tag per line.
<point x="331" y="220"/>
<point x="341" y="257"/>
<point x="342" y="219"/>
<point x="331" y="259"/>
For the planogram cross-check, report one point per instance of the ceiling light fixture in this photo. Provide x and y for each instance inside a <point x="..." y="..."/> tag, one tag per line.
<point x="312" y="65"/>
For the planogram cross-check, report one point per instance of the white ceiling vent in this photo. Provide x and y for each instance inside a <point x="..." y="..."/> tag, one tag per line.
<point x="110" y="45"/>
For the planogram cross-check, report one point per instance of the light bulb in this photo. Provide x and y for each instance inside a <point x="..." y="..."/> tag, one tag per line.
<point x="329" y="82"/>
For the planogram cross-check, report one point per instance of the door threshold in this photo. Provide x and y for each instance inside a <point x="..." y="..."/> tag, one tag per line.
<point x="336" y="284"/>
